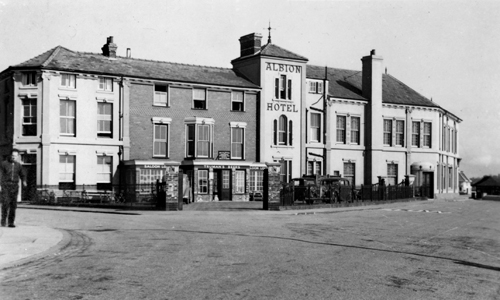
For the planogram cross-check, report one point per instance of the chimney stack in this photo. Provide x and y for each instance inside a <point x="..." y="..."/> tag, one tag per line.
<point x="250" y="44"/>
<point x="109" y="49"/>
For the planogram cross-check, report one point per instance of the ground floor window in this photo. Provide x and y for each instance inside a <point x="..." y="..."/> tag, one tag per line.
<point x="314" y="168"/>
<point x="349" y="172"/>
<point x="256" y="181"/>
<point x="392" y="174"/>
<point x="239" y="176"/>
<point x="67" y="172"/>
<point x="150" y="175"/>
<point x="286" y="171"/>
<point x="203" y="181"/>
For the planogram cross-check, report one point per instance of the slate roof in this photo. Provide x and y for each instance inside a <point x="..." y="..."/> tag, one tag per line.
<point x="276" y="51"/>
<point x="347" y="84"/>
<point x="486" y="181"/>
<point x="63" y="59"/>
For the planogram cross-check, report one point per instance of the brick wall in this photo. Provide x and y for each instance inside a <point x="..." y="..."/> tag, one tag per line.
<point x="218" y="108"/>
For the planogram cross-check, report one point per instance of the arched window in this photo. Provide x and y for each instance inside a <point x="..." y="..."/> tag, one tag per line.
<point x="283" y="131"/>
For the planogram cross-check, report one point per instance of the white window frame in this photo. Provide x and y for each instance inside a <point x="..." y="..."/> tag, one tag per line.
<point x="160" y="121"/>
<point x="315" y="87"/>
<point x="239" y="177"/>
<point x="68" y="81"/>
<point x="106" y="84"/>
<point x="427" y="137"/>
<point x="283" y="87"/>
<point x="160" y="141"/>
<point x="203" y="184"/>
<point x="196" y="122"/>
<point x="392" y="173"/>
<point x="238" y="126"/>
<point x="31" y="118"/>
<point x="415" y="136"/>
<point x="341" y="139"/>
<point x="68" y="118"/>
<point x="400" y="135"/>
<point x="256" y="181"/>
<point x="235" y="99"/>
<point x="199" y="99"/>
<point x="348" y="175"/>
<point x="29" y="79"/>
<point x="102" y="169"/>
<point x="315" y="129"/>
<point x="355" y="138"/>
<point x="104" y="118"/>
<point x="387" y="133"/>
<point x="65" y="174"/>
<point x="161" y="98"/>
<point x="149" y="176"/>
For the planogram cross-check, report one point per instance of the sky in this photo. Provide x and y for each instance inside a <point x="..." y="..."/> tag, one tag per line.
<point x="445" y="50"/>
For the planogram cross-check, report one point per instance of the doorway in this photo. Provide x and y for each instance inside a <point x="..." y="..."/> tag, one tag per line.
<point x="223" y="180"/>
<point x="428" y="184"/>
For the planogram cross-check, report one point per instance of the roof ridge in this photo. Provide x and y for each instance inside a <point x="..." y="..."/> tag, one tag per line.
<point x="281" y="48"/>
<point x="333" y="68"/>
<point x="51" y="56"/>
<point x="161" y="61"/>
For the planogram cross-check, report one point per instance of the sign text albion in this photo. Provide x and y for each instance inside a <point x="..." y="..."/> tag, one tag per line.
<point x="283" y="68"/>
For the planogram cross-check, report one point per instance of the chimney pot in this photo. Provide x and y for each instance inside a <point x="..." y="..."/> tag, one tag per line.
<point x="372" y="52"/>
<point x="129" y="52"/>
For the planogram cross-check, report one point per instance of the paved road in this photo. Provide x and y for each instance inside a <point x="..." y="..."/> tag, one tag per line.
<point x="416" y="250"/>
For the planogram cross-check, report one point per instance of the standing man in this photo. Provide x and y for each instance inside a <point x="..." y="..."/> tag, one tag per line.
<point x="10" y="172"/>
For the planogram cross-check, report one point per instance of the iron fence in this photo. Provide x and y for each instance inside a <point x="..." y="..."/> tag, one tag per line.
<point x="346" y="195"/>
<point x="108" y="194"/>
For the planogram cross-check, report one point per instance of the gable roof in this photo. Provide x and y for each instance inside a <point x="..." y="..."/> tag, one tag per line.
<point x="276" y="51"/>
<point x="486" y="181"/>
<point x="462" y="177"/>
<point x="347" y="84"/>
<point x="63" y="59"/>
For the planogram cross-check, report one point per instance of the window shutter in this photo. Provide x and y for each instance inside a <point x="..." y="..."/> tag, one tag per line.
<point x="275" y="132"/>
<point x="290" y="131"/>
<point x="277" y="88"/>
<point x="289" y="89"/>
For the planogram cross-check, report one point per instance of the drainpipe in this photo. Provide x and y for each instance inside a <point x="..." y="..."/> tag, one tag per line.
<point x="325" y="123"/>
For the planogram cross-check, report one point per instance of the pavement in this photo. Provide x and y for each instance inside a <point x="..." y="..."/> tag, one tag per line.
<point x="25" y="243"/>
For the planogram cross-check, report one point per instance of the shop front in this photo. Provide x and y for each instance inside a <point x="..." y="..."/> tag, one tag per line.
<point x="223" y="180"/>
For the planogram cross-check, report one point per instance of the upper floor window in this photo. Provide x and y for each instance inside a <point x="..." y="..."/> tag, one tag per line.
<point x="104" y="119"/>
<point x="283" y="88"/>
<point x="415" y="134"/>
<point x="237" y="101"/>
<point x="106" y="84"/>
<point x="161" y="95"/>
<point x="29" y="117"/>
<point x="68" y="81"/>
<point x="341" y="128"/>
<point x="315" y="87"/>
<point x="29" y="79"/>
<point x="283" y="131"/>
<point x="237" y="142"/>
<point x="160" y="141"/>
<point x="355" y="129"/>
<point x="199" y="99"/>
<point x="388" y="132"/>
<point x="400" y="133"/>
<point x="67" y="115"/>
<point x="315" y="127"/>
<point x="199" y="137"/>
<point x="427" y="134"/>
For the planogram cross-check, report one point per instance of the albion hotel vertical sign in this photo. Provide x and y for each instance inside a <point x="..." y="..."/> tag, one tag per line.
<point x="282" y="68"/>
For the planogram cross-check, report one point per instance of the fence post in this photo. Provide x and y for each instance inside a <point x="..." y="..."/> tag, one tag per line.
<point x="272" y="193"/>
<point x="171" y="189"/>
